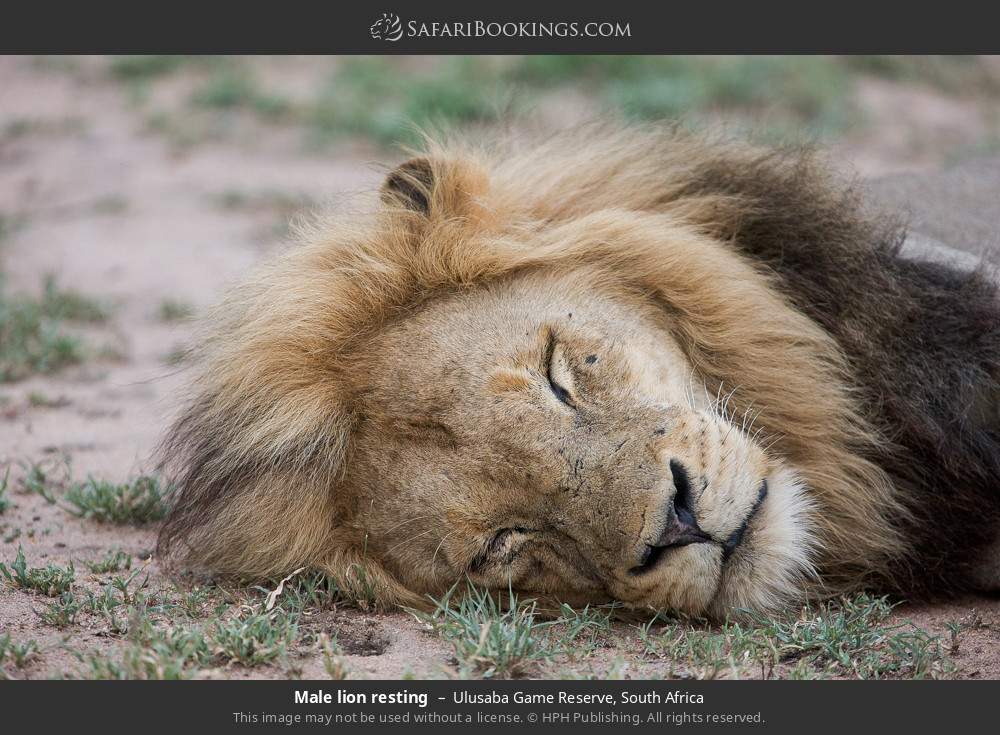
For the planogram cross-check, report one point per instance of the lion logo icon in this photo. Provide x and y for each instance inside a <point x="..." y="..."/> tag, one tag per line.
<point x="387" y="28"/>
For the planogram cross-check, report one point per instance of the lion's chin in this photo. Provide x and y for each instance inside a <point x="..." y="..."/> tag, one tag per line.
<point x="769" y="569"/>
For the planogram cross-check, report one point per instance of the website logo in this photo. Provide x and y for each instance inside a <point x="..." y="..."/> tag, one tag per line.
<point x="387" y="28"/>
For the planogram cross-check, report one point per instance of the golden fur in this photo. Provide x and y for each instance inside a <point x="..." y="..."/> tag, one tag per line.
<point x="305" y="367"/>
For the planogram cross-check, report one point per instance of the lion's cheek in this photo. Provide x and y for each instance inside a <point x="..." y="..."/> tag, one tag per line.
<point x="775" y="561"/>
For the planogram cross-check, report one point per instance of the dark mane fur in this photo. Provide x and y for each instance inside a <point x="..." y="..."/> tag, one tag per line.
<point x="923" y="340"/>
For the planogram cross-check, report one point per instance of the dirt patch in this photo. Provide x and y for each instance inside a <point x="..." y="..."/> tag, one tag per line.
<point x="356" y="635"/>
<point x="912" y="127"/>
<point x="970" y="626"/>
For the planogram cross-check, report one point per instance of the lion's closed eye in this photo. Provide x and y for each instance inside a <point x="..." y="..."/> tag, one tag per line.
<point x="559" y="373"/>
<point x="500" y="548"/>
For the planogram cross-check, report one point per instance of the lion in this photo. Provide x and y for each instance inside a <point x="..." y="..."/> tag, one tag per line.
<point x="621" y="364"/>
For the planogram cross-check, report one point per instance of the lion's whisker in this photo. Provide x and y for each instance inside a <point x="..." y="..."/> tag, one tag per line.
<point x="410" y="539"/>
<point x="408" y="521"/>
<point x="444" y="538"/>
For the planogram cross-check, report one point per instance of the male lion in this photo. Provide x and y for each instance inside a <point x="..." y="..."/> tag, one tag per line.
<point x="621" y="364"/>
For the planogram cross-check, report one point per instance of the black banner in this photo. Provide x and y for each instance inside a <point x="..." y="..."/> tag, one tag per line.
<point x="323" y="26"/>
<point x="526" y="706"/>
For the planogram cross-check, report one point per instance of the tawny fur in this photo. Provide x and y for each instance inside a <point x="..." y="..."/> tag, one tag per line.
<point x="267" y="435"/>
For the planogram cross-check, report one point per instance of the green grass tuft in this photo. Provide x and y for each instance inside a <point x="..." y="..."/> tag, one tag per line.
<point x="850" y="637"/>
<point x="33" y="338"/>
<point x="503" y="638"/>
<point x="233" y="87"/>
<point x="50" y="580"/>
<point x="255" y="639"/>
<point x="145" y="67"/>
<point x="38" y="480"/>
<point x="308" y="590"/>
<point x="5" y="502"/>
<point x="333" y="664"/>
<point x="37" y="399"/>
<point x="114" y="561"/>
<point x="61" y="613"/>
<point x="169" y="654"/>
<point x="18" y="654"/>
<point x="122" y="605"/>
<point x="71" y="305"/>
<point x="172" y="310"/>
<point x="138" y="501"/>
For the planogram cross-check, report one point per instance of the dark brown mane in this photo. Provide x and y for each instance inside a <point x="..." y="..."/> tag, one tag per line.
<point x="923" y="340"/>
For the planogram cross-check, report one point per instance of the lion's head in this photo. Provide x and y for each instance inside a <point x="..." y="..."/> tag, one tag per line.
<point x="544" y="371"/>
<point x="549" y="432"/>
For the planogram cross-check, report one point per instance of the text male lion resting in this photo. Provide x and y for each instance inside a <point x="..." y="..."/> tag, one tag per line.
<point x="627" y="365"/>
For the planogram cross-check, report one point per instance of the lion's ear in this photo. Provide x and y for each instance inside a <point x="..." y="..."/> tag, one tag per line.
<point x="437" y="187"/>
<point x="410" y="185"/>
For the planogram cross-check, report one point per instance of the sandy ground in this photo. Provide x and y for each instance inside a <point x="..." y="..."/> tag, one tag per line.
<point x="116" y="211"/>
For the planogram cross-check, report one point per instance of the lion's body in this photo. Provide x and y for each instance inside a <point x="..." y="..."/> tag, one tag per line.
<point x="387" y="373"/>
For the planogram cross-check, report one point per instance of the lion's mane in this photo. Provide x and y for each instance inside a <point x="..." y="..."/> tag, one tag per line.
<point x="871" y="385"/>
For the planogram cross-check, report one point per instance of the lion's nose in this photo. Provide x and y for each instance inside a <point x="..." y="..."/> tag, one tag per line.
<point x="684" y="528"/>
<point x="681" y="527"/>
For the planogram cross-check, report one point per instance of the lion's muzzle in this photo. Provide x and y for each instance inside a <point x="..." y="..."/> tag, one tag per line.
<point x="681" y="526"/>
